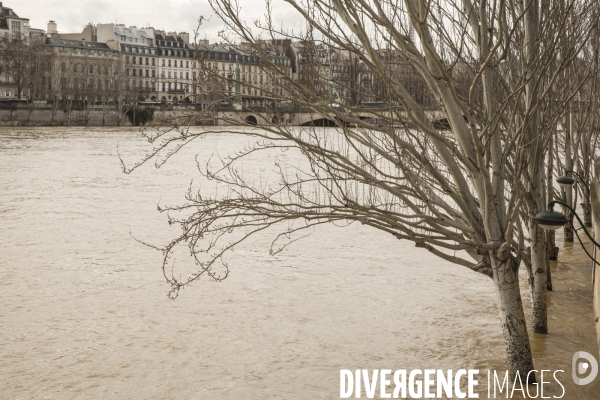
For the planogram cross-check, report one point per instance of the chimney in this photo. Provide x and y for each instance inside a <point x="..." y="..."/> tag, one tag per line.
<point x="185" y="37"/>
<point x="52" y="28"/>
<point x="83" y="42"/>
<point x="113" y="45"/>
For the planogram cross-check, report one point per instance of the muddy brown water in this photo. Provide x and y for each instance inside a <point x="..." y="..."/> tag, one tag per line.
<point x="85" y="313"/>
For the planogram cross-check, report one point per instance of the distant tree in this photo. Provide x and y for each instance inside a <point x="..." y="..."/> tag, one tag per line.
<point x="19" y="61"/>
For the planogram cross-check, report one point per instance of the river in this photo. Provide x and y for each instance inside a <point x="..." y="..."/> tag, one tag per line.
<point x="85" y="313"/>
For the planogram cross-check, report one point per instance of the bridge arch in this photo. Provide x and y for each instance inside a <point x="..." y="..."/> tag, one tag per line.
<point x="320" y="122"/>
<point x="251" y="120"/>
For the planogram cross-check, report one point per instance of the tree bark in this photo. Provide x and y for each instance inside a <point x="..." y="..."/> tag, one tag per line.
<point x="539" y="312"/>
<point x="568" y="194"/>
<point x="587" y="212"/>
<point x="514" y="326"/>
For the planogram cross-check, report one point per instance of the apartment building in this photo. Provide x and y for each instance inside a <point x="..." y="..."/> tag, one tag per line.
<point x="176" y="67"/>
<point x="13" y="26"/>
<point x="139" y="58"/>
<point x="241" y="74"/>
<point x="79" y="70"/>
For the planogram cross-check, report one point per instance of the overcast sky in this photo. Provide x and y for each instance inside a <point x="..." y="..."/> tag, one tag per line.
<point x="169" y="15"/>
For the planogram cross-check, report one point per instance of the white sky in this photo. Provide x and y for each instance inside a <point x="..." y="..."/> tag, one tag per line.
<point x="169" y="15"/>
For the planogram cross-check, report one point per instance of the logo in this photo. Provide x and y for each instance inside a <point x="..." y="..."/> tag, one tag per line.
<point x="583" y="367"/>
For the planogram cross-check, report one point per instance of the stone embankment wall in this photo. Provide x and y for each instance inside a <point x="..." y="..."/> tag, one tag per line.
<point x="596" y="227"/>
<point x="23" y="116"/>
<point x="44" y="117"/>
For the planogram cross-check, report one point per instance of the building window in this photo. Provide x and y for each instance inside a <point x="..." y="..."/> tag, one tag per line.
<point x="169" y="63"/>
<point x="153" y="73"/>
<point x="140" y="60"/>
<point x="163" y="62"/>
<point x="153" y="61"/>
<point x="169" y="74"/>
<point x="133" y="59"/>
<point x="187" y="75"/>
<point x="147" y="61"/>
<point x="187" y="64"/>
<point x="16" y="29"/>
<point x="147" y="73"/>
<point x="163" y="87"/>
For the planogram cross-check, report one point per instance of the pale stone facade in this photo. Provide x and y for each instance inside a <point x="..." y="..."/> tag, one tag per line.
<point x="176" y="68"/>
<point x="12" y="25"/>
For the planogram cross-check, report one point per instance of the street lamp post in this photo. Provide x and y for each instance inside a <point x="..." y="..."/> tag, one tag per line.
<point x="553" y="220"/>
<point x="566" y="182"/>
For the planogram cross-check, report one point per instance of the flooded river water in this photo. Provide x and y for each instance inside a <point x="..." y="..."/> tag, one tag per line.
<point x="84" y="312"/>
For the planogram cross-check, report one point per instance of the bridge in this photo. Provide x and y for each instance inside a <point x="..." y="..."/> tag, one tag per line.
<point x="304" y="116"/>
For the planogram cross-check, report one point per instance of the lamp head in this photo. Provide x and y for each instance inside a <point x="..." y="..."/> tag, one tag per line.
<point x="565" y="181"/>
<point x="550" y="219"/>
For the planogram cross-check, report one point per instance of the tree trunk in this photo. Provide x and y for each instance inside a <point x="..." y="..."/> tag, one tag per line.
<point x="568" y="229"/>
<point x="587" y="212"/>
<point x="539" y="314"/>
<point x="514" y="327"/>
<point x="568" y="194"/>
<point x="550" y="235"/>
<point x="552" y="248"/>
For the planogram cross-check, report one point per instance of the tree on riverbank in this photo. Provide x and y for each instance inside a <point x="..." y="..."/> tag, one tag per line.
<point x="19" y="62"/>
<point x="462" y="189"/>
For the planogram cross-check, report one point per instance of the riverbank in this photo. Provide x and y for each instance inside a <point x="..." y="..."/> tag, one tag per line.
<point x="24" y="116"/>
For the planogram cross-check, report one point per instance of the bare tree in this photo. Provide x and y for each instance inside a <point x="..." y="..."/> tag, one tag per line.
<point x="18" y="59"/>
<point x="463" y="189"/>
